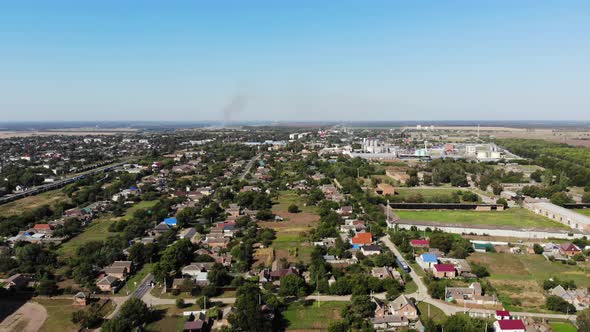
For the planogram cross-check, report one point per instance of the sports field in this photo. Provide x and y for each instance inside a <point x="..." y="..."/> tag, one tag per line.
<point x="516" y="217"/>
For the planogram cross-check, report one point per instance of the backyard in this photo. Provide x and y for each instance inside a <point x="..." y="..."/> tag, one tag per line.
<point x="309" y="315"/>
<point x="97" y="231"/>
<point x="515" y="217"/>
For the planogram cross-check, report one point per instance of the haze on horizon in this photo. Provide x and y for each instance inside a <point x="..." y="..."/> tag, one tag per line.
<point x="298" y="60"/>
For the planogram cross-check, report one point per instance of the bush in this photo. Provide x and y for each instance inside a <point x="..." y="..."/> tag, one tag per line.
<point x="538" y="249"/>
<point x="293" y="209"/>
<point x="556" y="303"/>
<point x="179" y="303"/>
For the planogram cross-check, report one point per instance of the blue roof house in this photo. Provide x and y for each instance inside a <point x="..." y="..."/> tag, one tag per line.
<point x="170" y="221"/>
<point x="426" y="261"/>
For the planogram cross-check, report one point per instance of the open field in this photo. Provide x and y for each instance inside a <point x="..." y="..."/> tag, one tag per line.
<point x="435" y="313"/>
<point x="97" y="231"/>
<point x="59" y="315"/>
<point x="29" y="203"/>
<point x="263" y="257"/>
<point x="515" y="217"/>
<point x="290" y="242"/>
<point x="519" y="278"/>
<point x="289" y="197"/>
<point x="309" y="317"/>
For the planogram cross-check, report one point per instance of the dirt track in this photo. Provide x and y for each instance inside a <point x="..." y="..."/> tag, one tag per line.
<point x="28" y="318"/>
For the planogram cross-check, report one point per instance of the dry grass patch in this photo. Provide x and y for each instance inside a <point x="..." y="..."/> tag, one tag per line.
<point x="263" y="256"/>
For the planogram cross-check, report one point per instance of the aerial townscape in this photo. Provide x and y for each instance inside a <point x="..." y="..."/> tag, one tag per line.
<point x="267" y="228"/>
<point x="300" y="166"/>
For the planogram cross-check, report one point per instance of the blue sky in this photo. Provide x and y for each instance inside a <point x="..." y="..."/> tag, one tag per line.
<point x="295" y="60"/>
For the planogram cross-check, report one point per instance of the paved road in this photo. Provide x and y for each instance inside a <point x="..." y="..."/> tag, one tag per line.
<point x="139" y="293"/>
<point x="249" y="166"/>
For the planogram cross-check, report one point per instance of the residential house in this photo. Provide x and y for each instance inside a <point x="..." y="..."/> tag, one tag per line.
<point x="444" y="271"/>
<point x="370" y="249"/>
<point x="119" y="269"/>
<point x="509" y="325"/>
<point x="387" y="272"/>
<point x="43" y="229"/>
<point x="569" y="249"/>
<point x="362" y="239"/>
<point x="81" y="299"/>
<point x="470" y="295"/>
<point x="345" y="211"/>
<point x="426" y="261"/>
<point x="402" y="306"/>
<point x="420" y="243"/>
<point x="577" y="297"/>
<point x="108" y="283"/>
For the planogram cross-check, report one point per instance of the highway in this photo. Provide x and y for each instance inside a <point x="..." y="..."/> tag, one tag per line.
<point x="94" y="169"/>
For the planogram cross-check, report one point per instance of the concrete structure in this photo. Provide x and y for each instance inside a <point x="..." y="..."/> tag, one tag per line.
<point x="567" y="217"/>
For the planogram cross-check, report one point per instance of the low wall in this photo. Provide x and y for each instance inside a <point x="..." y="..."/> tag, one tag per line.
<point x="445" y="206"/>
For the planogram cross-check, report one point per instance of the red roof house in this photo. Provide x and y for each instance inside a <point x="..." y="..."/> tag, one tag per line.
<point x="510" y="325"/>
<point x="443" y="270"/>
<point x="362" y="238"/>
<point x="42" y="227"/>
<point x="502" y="314"/>
<point x="569" y="249"/>
<point x="420" y="243"/>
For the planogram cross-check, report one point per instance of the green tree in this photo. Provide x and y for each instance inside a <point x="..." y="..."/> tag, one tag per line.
<point x="292" y="285"/>
<point x="248" y="315"/>
<point x="561" y="199"/>
<point x="293" y="208"/>
<point x="538" y="249"/>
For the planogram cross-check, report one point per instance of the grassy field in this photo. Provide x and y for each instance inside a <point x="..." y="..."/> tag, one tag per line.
<point x="171" y="318"/>
<point x="132" y="283"/>
<point x="562" y="327"/>
<point x="48" y="198"/>
<point x="585" y="212"/>
<point x="516" y="217"/>
<point x="289" y="197"/>
<point x="290" y="243"/>
<point x="435" y="313"/>
<point x="98" y="230"/>
<point x="138" y="206"/>
<point x="59" y="315"/>
<point x="309" y="317"/>
<point x="519" y="278"/>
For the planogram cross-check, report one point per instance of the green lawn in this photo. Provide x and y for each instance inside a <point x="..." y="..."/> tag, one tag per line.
<point x="517" y="217"/>
<point x="310" y="316"/>
<point x="59" y="315"/>
<point x="97" y="231"/>
<point x="562" y="327"/>
<point x="435" y="313"/>
<point x="171" y="318"/>
<point x="410" y="287"/>
<point x="132" y="283"/>
<point x="138" y="206"/>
